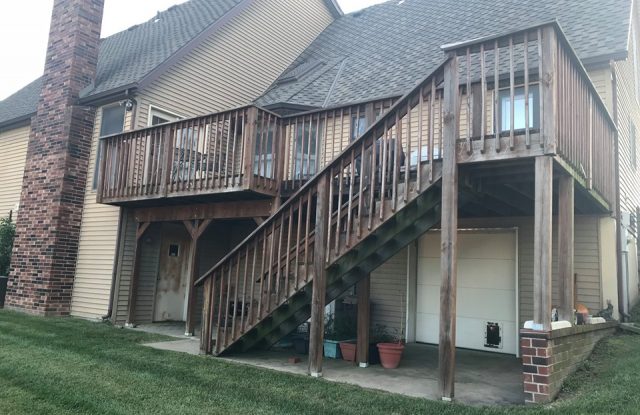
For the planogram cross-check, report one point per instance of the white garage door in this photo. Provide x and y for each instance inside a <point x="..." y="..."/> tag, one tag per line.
<point x="486" y="303"/>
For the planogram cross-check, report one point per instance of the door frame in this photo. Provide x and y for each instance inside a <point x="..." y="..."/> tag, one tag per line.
<point x="412" y="279"/>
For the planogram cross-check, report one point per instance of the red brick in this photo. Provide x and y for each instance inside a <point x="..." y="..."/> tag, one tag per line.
<point x="54" y="181"/>
<point x="531" y="387"/>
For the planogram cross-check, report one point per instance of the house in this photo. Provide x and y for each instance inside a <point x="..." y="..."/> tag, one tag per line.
<point x="466" y="178"/>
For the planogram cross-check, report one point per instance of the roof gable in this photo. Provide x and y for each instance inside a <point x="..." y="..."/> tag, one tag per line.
<point x="386" y="49"/>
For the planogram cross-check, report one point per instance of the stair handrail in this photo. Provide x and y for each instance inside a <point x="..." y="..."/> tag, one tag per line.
<point x="314" y="180"/>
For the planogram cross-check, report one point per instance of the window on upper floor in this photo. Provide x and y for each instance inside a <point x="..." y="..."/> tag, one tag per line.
<point x="519" y="118"/>
<point x="112" y="122"/>
<point x="633" y="148"/>
<point x="160" y="116"/>
<point x="636" y="60"/>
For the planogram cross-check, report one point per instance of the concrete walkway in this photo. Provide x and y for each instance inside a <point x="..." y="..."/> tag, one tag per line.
<point x="481" y="378"/>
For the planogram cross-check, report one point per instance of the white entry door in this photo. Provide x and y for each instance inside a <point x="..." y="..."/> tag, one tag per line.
<point x="487" y="286"/>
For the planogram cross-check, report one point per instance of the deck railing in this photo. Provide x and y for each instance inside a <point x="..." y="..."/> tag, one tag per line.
<point x="563" y="113"/>
<point x="221" y="152"/>
<point x="357" y="191"/>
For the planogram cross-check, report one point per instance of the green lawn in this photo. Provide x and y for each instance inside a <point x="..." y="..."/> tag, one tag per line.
<point x="58" y="366"/>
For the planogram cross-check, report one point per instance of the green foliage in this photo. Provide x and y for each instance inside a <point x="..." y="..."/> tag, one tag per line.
<point x="342" y="328"/>
<point x="7" y="234"/>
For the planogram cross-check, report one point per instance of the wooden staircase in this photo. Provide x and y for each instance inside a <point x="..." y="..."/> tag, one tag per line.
<point x="378" y="195"/>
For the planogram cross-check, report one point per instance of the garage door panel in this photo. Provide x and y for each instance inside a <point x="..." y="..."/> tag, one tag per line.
<point x="472" y="302"/>
<point x="486" y="273"/>
<point x="486" y="289"/>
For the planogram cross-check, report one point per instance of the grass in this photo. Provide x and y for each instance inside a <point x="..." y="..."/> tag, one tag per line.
<point x="69" y="366"/>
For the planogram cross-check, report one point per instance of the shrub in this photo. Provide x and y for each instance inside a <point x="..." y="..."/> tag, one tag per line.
<point x="7" y="233"/>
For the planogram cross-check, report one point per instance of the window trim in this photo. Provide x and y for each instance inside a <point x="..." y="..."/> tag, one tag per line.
<point x="158" y="111"/>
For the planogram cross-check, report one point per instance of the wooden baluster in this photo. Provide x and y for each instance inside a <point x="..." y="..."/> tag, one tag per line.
<point x="361" y="177"/>
<point x="103" y="149"/>
<point x="339" y="209"/>
<point x="432" y="131"/>
<point x="225" y="336"/>
<point x="396" y="162"/>
<point x="419" y="149"/>
<point x="527" y="133"/>
<point x="298" y="230"/>
<point x="294" y="172"/>
<point x="483" y="104"/>
<point x="512" y="97"/>
<point x="496" y="98"/>
<point x="350" y="200"/>
<point x="374" y="170"/>
<point x="306" y="237"/>
<point x="221" y="309"/>
<point x="235" y="298"/>
<point x="383" y="174"/>
<point x="469" y="107"/>
<point x="270" y="276"/>
<point x="288" y="252"/>
<point x="226" y="152"/>
<point x="262" y="274"/>
<point x="330" y="213"/>
<point x="279" y="269"/>
<point x="407" y="163"/>
<point x="251" y="318"/>
<point x="244" y="289"/>
<point x="233" y="151"/>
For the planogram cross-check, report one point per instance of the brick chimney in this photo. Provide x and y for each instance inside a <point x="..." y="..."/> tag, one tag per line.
<point x="48" y="223"/>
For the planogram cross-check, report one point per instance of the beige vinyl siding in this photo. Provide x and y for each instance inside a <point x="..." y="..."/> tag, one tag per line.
<point x="12" y="160"/>
<point x="238" y="62"/>
<point x="389" y="292"/>
<point x="601" y="79"/>
<point x="388" y="282"/>
<point x="97" y="249"/>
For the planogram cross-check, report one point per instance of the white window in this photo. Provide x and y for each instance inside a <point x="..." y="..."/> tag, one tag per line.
<point x="160" y="116"/>
<point x="519" y="118"/>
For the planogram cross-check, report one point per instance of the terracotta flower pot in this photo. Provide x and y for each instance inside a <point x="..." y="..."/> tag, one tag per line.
<point x="390" y="354"/>
<point x="348" y="351"/>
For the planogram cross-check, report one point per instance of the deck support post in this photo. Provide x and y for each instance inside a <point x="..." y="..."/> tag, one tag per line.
<point x="363" y="292"/>
<point x="566" y="227"/>
<point x="542" y="243"/>
<point x="319" y="285"/>
<point x="449" y="234"/>
<point x="133" y="289"/>
<point x="195" y="229"/>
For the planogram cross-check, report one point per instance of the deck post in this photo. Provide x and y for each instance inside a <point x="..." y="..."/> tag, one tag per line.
<point x="449" y="235"/>
<point x="566" y="227"/>
<point x="195" y="230"/>
<point x="542" y="242"/>
<point x="363" y="292"/>
<point x="133" y="289"/>
<point x="548" y="83"/>
<point x="316" y="336"/>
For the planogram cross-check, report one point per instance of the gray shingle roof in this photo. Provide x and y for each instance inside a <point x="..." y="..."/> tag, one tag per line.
<point x="385" y="50"/>
<point x="21" y="103"/>
<point x="126" y="57"/>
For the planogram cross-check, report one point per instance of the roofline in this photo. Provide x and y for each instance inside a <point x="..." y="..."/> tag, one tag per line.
<point x="109" y="96"/>
<point x="18" y="122"/>
<point x="193" y="43"/>
<point x="335" y="8"/>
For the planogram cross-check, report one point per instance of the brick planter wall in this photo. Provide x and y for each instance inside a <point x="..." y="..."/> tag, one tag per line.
<point x="48" y="223"/>
<point x="549" y="357"/>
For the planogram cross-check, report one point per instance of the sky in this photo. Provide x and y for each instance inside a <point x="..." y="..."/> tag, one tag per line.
<point x="24" y="30"/>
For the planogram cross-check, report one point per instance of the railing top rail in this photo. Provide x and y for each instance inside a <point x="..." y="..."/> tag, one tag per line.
<point x="389" y="115"/>
<point x="460" y="48"/>
<point x="182" y="120"/>
<point x="340" y="106"/>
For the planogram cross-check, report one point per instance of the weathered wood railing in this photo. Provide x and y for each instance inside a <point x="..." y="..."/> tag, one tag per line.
<point x="221" y="152"/>
<point x="562" y="113"/>
<point x="372" y="178"/>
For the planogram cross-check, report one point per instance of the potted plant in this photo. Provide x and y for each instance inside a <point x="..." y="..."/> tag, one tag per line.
<point x="391" y="350"/>
<point x="338" y="335"/>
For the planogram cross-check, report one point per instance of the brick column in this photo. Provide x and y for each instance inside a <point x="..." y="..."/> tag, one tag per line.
<point x="48" y="223"/>
<point x="535" y="351"/>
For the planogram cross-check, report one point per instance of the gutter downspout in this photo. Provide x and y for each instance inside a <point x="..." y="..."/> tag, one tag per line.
<point x="618" y="211"/>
